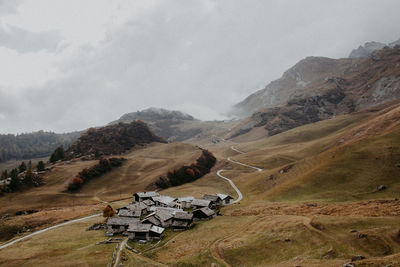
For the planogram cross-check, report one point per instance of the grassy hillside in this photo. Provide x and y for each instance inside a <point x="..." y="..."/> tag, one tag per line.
<point x="143" y="166"/>
<point x="316" y="194"/>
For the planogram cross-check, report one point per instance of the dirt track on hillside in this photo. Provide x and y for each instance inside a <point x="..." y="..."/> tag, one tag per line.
<point x="372" y="208"/>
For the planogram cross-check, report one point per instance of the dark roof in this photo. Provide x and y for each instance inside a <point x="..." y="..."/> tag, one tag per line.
<point x="136" y="206"/>
<point x="213" y="198"/>
<point x="183" y="215"/>
<point x="166" y="200"/>
<point x="180" y="224"/>
<point x="201" y="202"/>
<point x="152" y="220"/>
<point x="129" y="213"/>
<point x="186" y="199"/>
<point x="171" y="210"/>
<point x="146" y="194"/>
<point x="223" y="196"/>
<point x="156" y="229"/>
<point x="139" y="227"/>
<point x="148" y="202"/>
<point x="206" y="211"/>
<point x="163" y="215"/>
<point x="121" y="220"/>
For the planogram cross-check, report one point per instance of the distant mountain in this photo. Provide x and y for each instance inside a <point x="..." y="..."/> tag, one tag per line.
<point x="154" y="114"/>
<point x="319" y="88"/>
<point x="33" y="145"/>
<point x="297" y="82"/>
<point x="368" y="48"/>
<point x="171" y="125"/>
<point x="113" y="139"/>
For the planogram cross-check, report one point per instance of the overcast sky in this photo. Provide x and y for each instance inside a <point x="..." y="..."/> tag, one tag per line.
<point x="68" y="65"/>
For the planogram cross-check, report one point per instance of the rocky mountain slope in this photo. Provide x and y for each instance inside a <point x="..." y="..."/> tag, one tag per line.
<point x="319" y="88"/>
<point x="368" y="48"/>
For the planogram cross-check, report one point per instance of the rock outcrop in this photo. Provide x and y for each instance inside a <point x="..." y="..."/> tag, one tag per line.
<point x="319" y="88"/>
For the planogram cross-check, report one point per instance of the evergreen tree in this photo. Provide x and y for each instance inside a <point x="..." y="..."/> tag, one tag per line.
<point x="14" y="183"/>
<point x="22" y="167"/>
<point x="4" y="175"/>
<point x="40" y="166"/>
<point x="28" y="177"/>
<point x="57" y="155"/>
<point x="30" y="165"/>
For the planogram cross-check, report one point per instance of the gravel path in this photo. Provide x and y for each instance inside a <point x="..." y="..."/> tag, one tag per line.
<point x="240" y="196"/>
<point x="47" y="229"/>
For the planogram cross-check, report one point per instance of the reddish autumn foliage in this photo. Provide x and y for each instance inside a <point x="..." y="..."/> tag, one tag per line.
<point x="77" y="180"/>
<point x="105" y="162"/>
<point x="75" y="184"/>
<point x="108" y="211"/>
<point x="84" y="172"/>
<point x="104" y="165"/>
<point x="190" y="173"/>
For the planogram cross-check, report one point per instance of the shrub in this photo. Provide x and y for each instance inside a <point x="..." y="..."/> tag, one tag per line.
<point x="40" y="166"/>
<point x="190" y="173"/>
<point x="57" y="155"/>
<point x="108" y="211"/>
<point x="104" y="165"/>
<point x="75" y="184"/>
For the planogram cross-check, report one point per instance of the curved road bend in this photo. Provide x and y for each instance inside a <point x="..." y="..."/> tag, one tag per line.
<point x="47" y="229"/>
<point x="240" y="196"/>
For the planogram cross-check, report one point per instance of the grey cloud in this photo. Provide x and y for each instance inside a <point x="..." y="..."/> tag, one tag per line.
<point x="199" y="56"/>
<point x="9" y="7"/>
<point x="25" y="41"/>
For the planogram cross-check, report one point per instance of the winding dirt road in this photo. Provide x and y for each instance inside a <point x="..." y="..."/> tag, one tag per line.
<point x="121" y="247"/>
<point x="47" y="229"/>
<point x="240" y="195"/>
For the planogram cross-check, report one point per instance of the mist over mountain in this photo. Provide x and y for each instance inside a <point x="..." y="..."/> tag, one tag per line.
<point x="33" y="145"/>
<point x="368" y="48"/>
<point x="319" y="88"/>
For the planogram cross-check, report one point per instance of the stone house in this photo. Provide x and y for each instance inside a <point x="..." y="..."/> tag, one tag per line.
<point x="129" y="213"/>
<point x="216" y="201"/>
<point x="164" y="201"/>
<point x="156" y="232"/>
<point x="201" y="203"/>
<point x="160" y="218"/>
<point x="182" y="221"/>
<point x="203" y="214"/>
<point x="116" y="225"/>
<point x="226" y="199"/>
<point x="141" y="196"/>
<point x="139" y="231"/>
<point x="184" y="202"/>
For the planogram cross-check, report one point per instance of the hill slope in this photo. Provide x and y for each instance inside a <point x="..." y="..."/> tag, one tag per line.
<point x="112" y="139"/>
<point x="33" y="145"/>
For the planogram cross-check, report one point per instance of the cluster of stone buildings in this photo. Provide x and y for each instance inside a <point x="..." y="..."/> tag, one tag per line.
<point x="150" y="213"/>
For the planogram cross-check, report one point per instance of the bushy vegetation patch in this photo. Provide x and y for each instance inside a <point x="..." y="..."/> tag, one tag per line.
<point x="111" y="140"/>
<point x="105" y="165"/>
<point x="186" y="174"/>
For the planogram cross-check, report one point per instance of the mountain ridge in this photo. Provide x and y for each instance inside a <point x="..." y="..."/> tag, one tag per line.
<point x="318" y="88"/>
